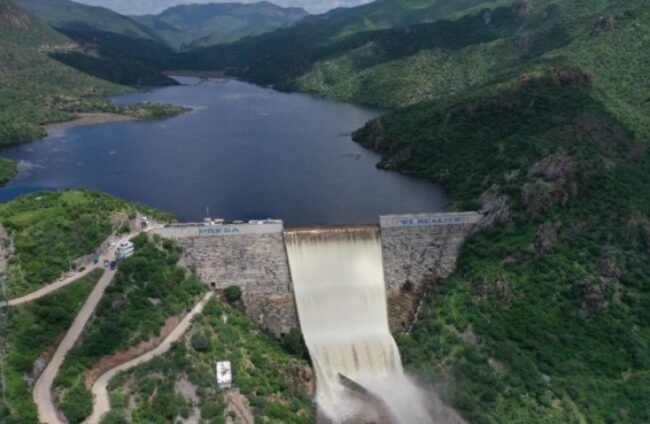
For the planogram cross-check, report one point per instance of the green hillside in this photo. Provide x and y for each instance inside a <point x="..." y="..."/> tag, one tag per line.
<point x="402" y="67"/>
<point x="110" y="46"/>
<point x="546" y="317"/>
<point x="50" y="229"/>
<point x="198" y="25"/>
<point x="271" y="381"/>
<point x="282" y="55"/>
<point x="73" y="16"/>
<point x="36" y="89"/>
<point x="33" y="331"/>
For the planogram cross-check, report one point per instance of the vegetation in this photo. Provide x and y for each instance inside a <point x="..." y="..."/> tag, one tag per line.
<point x="49" y="230"/>
<point x="233" y="293"/>
<point x="264" y="374"/>
<point x="281" y="56"/>
<point x="71" y="15"/>
<point x="33" y="331"/>
<point x="148" y="289"/>
<point x="196" y="25"/>
<point x="546" y="318"/>
<point x="8" y="170"/>
<point x="36" y="89"/>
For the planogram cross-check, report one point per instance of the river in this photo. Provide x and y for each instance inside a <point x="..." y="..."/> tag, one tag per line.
<point x="244" y="152"/>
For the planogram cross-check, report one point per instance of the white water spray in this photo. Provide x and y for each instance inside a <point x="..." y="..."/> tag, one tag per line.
<point x="338" y="280"/>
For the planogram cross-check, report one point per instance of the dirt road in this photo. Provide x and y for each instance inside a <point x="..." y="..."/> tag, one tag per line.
<point x="100" y="388"/>
<point x="43" y="388"/>
<point x="45" y="290"/>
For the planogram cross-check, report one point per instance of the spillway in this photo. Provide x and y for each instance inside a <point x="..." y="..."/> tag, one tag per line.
<point x="338" y="282"/>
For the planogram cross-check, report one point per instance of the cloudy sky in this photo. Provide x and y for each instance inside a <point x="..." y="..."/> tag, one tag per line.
<point x="138" y="7"/>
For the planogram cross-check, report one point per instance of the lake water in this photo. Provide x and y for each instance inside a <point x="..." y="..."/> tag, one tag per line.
<point x="245" y="152"/>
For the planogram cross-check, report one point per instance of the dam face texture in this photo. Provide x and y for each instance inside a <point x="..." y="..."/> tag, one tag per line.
<point x="414" y="248"/>
<point x="251" y="256"/>
<point x="347" y="287"/>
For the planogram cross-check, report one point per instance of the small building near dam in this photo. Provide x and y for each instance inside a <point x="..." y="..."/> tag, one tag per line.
<point x="415" y="249"/>
<point x="124" y="250"/>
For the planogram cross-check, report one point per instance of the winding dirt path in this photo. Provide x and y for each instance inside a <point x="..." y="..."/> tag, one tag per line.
<point x="42" y="392"/>
<point x="101" y="404"/>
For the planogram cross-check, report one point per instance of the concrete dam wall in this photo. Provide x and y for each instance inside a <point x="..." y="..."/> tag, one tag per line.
<point x="415" y="249"/>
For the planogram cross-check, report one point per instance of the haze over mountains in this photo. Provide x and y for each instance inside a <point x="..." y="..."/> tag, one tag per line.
<point x="147" y="7"/>
<point x="177" y="27"/>
<point x="200" y="25"/>
<point x="534" y="112"/>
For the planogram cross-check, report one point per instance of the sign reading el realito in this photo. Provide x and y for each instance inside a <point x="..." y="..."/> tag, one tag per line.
<point x="418" y="220"/>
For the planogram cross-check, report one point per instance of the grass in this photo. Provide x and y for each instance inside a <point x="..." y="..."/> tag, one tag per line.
<point x="51" y="229"/>
<point x="33" y="330"/>
<point x="148" y="289"/>
<point x="262" y="371"/>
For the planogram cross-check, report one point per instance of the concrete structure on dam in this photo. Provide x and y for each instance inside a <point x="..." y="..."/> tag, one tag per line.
<point x="415" y="249"/>
<point x="249" y="255"/>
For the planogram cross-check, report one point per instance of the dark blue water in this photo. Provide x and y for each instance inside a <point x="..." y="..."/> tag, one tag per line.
<point x="245" y="152"/>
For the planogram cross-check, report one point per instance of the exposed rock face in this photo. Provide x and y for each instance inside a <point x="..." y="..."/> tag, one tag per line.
<point x="13" y="18"/>
<point x="522" y="8"/>
<point x="503" y="290"/>
<point x="569" y="75"/>
<point x="495" y="210"/>
<point x="487" y="16"/>
<point x="603" y="24"/>
<point x="554" y="167"/>
<point x="545" y="238"/>
<point x="551" y="183"/>
<point x="594" y="293"/>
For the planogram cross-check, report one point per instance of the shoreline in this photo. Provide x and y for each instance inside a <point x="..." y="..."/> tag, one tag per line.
<point x="84" y="119"/>
<point x="198" y="74"/>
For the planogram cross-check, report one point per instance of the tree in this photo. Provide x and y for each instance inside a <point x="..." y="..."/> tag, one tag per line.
<point x="233" y="294"/>
<point x="200" y="342"/>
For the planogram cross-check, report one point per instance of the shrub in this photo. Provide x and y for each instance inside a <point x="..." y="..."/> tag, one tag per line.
<point x="200" y="342"/>
<point x="77" y="404"/>
<point x="293" y="343"/>
<point x="233" y="293"/>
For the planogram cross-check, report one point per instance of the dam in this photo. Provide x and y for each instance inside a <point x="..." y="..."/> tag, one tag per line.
<point x="338" y="283"/>
<point x="415" y="249"/>
<point x="346" y="287"/>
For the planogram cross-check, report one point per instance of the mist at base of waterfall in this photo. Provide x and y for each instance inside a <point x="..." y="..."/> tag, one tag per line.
<point x="401" y="402"/>
<point x="338" y="279"/>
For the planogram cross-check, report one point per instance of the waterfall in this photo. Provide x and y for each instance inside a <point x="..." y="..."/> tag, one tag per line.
<point x="338" y="282"/>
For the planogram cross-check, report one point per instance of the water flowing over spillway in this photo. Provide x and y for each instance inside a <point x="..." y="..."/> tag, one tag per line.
<point x="338" y="281"/>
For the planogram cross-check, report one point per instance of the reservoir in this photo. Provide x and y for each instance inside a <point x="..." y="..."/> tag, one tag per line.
<point x="244" y="152"/>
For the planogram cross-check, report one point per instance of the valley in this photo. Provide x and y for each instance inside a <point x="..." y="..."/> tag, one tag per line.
<point x="530" y="116"/>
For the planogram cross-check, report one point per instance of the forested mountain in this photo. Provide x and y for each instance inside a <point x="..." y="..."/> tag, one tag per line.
<point x="198" y="25"/>
<point x="540" y="121"/>
<point x="535" y="112"/>
<point x="179" y="27"/>
<point x="73" y="16"/>
<point x="546" y="317"/>
<point x="290" y="51"/>
<point x="110" y="46"/>
<point x="36" y="89"/>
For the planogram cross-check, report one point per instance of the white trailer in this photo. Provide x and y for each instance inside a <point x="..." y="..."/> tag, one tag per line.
<point x="224" y="374"/>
